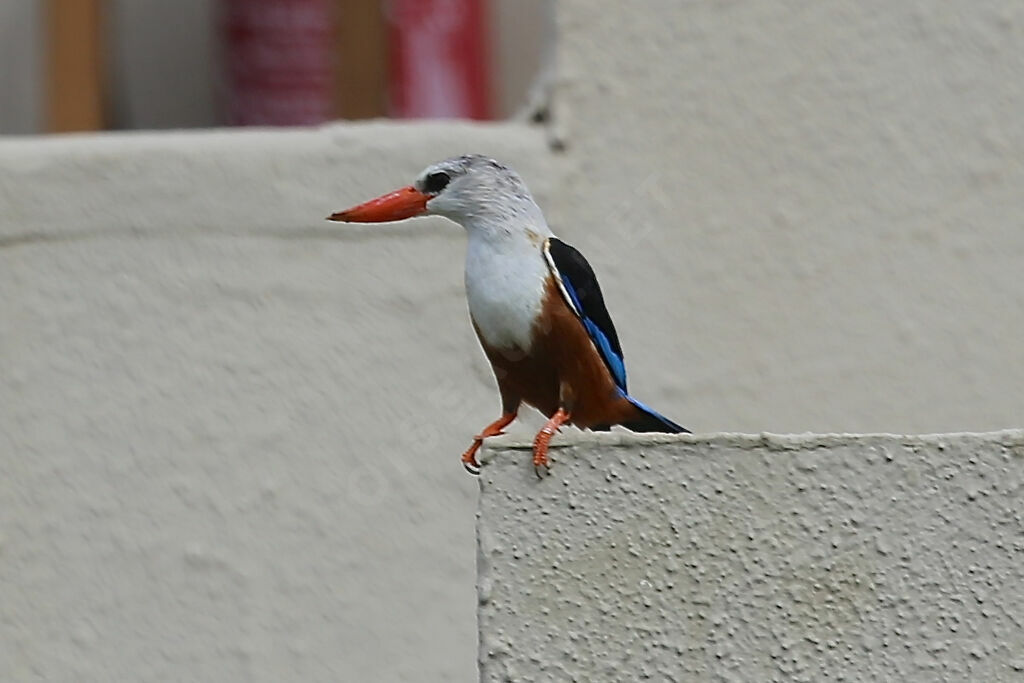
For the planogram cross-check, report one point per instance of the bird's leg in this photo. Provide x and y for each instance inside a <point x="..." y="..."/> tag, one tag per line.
<point x="493" y="429"/>
<point x="540" y="443"/>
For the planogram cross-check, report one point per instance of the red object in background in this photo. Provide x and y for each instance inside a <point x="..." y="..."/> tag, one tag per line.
<point x="279" y="58"/>
<point x="439" y="59"/>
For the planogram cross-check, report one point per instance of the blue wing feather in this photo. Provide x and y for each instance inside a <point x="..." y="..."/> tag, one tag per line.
<point x="615" y="362"/>
<point x="579" y="285"/>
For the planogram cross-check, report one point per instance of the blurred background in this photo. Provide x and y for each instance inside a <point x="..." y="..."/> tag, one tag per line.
<point x="81" y="65"/>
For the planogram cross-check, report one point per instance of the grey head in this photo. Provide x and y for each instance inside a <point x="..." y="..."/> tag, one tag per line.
<point x="474" y="190"/>
<point x="486" y="198"/>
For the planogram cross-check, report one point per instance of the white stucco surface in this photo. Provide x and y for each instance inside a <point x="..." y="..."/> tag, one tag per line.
<point x="807" y="216"/>
<point x="746" y="558"/>
<point x="230" y="429"/>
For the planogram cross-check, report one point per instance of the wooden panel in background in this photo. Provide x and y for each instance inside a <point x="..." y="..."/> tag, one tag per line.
<point x="362" y="65"/>
<point x="75" y="66"/>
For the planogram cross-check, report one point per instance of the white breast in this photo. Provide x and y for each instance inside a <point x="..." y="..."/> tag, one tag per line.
<point x="505" y="287"/>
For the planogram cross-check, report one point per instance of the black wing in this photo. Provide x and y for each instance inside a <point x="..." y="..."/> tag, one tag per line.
<point x="579" y="287"/>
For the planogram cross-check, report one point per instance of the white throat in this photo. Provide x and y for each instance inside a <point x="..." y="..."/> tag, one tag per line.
<point x="506" y="279"/>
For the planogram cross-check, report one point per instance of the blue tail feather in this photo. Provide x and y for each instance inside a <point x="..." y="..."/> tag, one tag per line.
<point x="652" y="420"/>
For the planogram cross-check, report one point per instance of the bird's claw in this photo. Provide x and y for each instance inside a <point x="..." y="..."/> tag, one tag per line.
<point x="543" y="438"/>
<point x="469" y="461"/>
<point x="542" y="470"/>
<point x="541" y="462"/>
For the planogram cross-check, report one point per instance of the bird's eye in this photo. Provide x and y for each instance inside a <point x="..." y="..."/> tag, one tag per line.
<point x="435" y="182"/>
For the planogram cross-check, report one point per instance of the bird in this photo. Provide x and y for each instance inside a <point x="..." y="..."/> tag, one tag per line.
<point x="534" y="303"/>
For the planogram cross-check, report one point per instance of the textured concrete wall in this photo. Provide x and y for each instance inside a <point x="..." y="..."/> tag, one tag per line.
<point x="230" y="430"/>
<point x="744" y="558"/>
<point x="807" y="215"/>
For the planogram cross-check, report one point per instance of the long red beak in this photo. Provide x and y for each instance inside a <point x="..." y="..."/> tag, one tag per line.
<point x="394" y="206"/>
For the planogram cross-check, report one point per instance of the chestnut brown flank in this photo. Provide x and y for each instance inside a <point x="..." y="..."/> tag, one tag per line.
<point x="562" y="368"/>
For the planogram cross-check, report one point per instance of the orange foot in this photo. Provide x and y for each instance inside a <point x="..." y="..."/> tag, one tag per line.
<point x="540" y="443"/>
<point x="493" y="429"/>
